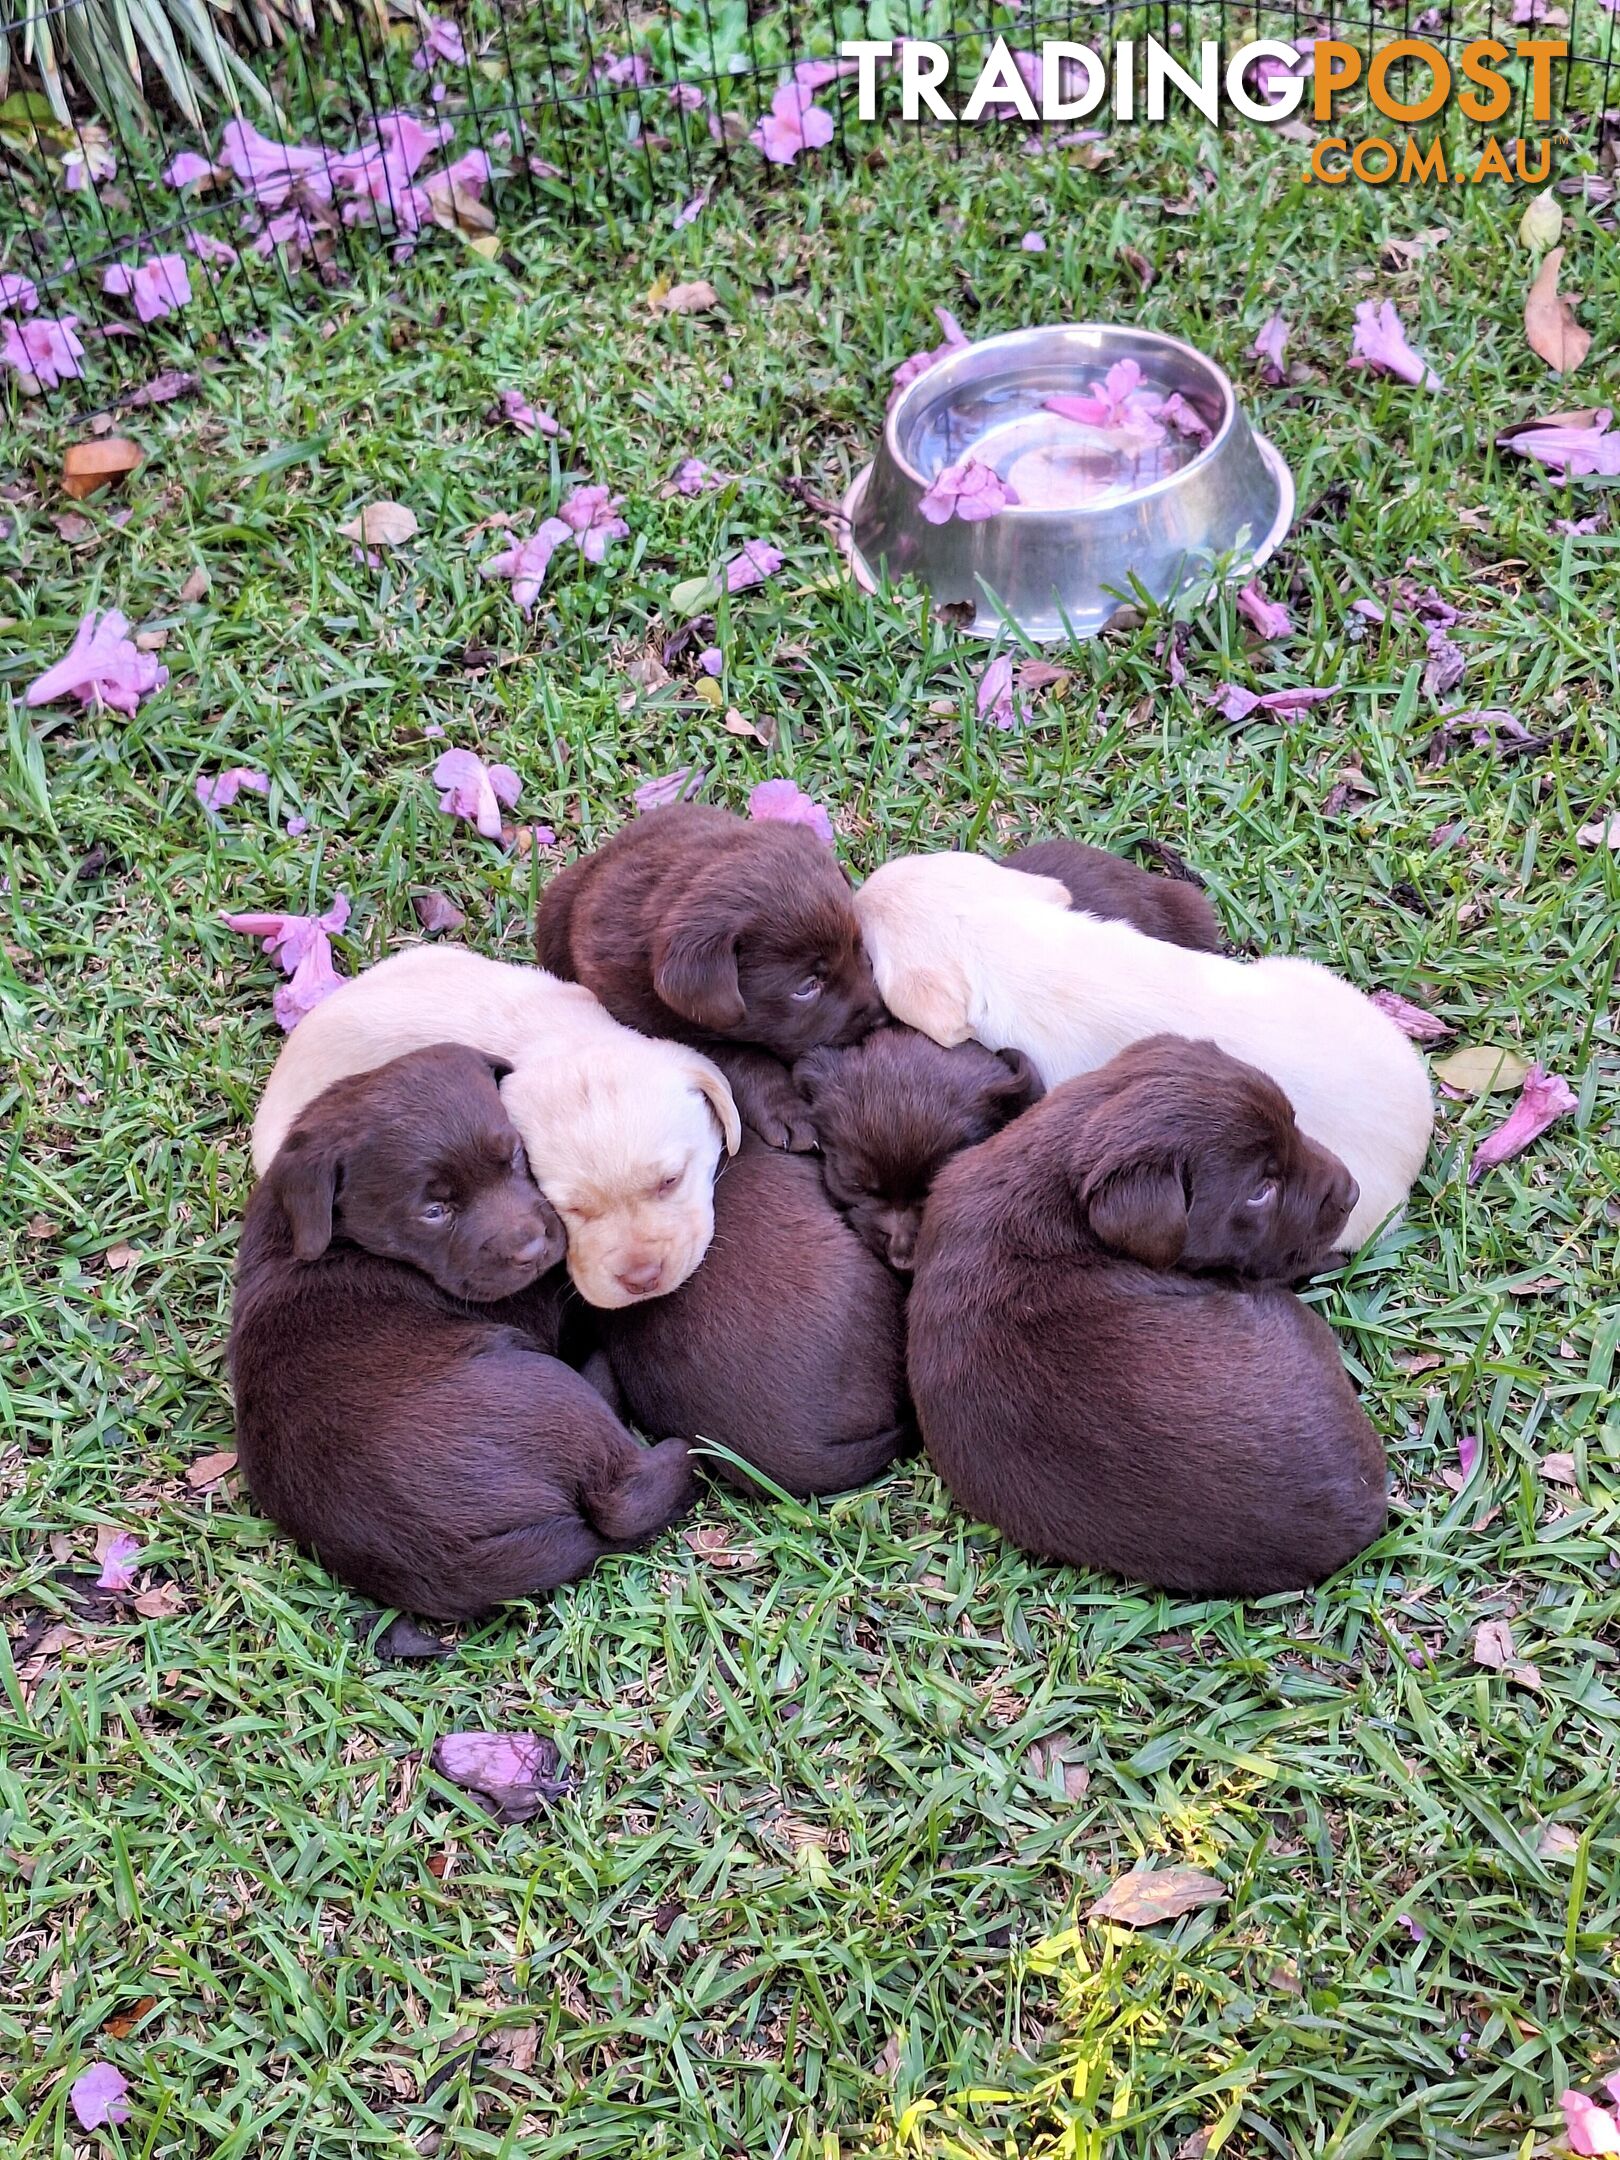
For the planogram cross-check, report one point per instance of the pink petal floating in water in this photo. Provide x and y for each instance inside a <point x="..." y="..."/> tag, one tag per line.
<point x="1379" y="342"/>
<point x="793" y="124"/>
<point x="1573" y="446"/>
<point x="1413" y="1020"/>
<point x="181" y="171"/>
<point x="220" y="791"/>
<point x="1269" y="617"/>
<point x="1543" y="1100"/>
<point x="527" y="563"/>
<point x="1268" y="349"/>
<point x="515" y="1774"/>
<point x="1185" y="418"/>
<point x="301" y="946"/>
<point x="44" y="352"/>
<point x="753" y="563"/>
<point x="971" y="491"/>
<point x="442" y="40"/>
<point x="103" y="666"/>
<point x="995" y="701"/>
<point x="920" y="363"/>
<point x="270" y="170"/>
<point x="1589" y="2128"/>
<point x="474" y="790"/>
<point x="18" y="295"/>
<point x="589" y="512"/>
<point x="674" y="787"/>
<point x="1120" y="399"/>
<point x="118" y="1561"/>
<point x="780" y="802"/>
<point x="97" y="2095"/>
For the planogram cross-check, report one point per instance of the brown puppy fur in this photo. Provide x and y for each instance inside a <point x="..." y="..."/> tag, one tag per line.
<point x="1084" y="1385"/>
<point x="397" y="1408"/>
<point x="736" y="937"/>
<point x="786" y="1346"/>
<point x="892" y="1111"/>
<point x="1121" y="891"/>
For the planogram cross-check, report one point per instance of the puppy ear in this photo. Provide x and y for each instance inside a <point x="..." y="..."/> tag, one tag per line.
<point x="812" y="1070"/>
<point x="695" y="970"/>
<point x="1022" y="1086"/>
<point x="304" y="1177"/>
<point x="712" y="1084"/>
<point x="932" y="999"/>
<point x="1141" y="1212"/>
<point x="499" y="1068"/>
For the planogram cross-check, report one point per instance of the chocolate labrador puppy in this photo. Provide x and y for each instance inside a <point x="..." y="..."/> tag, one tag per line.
<point x="1121" y="891"/>
<point x="1105" y="1362"/>
<point x="736" y="937"/>
<point x="786" y="1346"/>
<point x="398" y="1408"/>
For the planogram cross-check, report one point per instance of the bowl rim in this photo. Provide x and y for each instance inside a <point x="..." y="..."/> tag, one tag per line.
<point x="939" y="374"/>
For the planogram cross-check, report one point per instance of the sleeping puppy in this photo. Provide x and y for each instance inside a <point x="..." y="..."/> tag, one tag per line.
<point x="966" y="948"/>
<point x="787" y="1345"/>
<point x="397" y="1407"/>
<point x="892" y="1111"/>
<point x="737" y="937"/>
<point x="622" y="1132"/>
<point x="1103" y="1361"/>
<point x="1102" y="884"/>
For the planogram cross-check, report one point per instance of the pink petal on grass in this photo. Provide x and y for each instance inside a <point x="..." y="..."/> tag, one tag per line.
<point x="209" y="250"/>
<point x="515" y="408"/>
<point x="513" y="1773"/>
<point x="301" y="947"/>
<point x="1235" y="704"/>
<point x="995" y="700"/>
<point x="442" y="40"/>
<point x="589" y="512"/>
<point x="44" y="352"/>
<point x="792" y="125"/>
<point x="1413" y="1020"/>
<point x="1543" y="1100"/>
<point x="1268" y="350"/>
<point x="1269" y="617"/>
<point x="18" y="295"/>
<point x="220" y="791"/>
<point x="687" y="213"/>
<point x="270" y="170"/>
<point x="1488" y="726"/>
<point x="118" y="1560"/>
<point x="1569" y="446"/>
<point x="674" y="787"/>
<point x="188" y="167"/>
<point x="1033" y="243"/>
<point x="297" y="827"/>
<point x="1589" y="2128"/>
<point x="103" y="666"/>
<point x="1467" y="1454"/>
<point x="970" y="490"/>
<point x="780" y="802"/>
<point x="97" y="2095"/>
<point x="1379" y="342"/>
<point x="711" y="660"/>
<point x="527" y="563"/>
<point x="920" y="363"/>
<point x="753" y="563"/>
<point x="159" y="287"/>
<point x="694" y="477"/>
<point x="475" y="791"/>
<point x="1445" y="665"/>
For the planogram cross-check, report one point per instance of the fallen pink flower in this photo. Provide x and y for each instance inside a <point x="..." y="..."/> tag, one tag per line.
<point x="207" y="249"/>
<point x="18" y="295"/>
<point x="1269" y="617"/>
<point x="1467" y="1455"/>
<point x="271" y="170"/>
<point x="1571" y="447"/>
<point x="181" y="171"/>
<point x="971" y="491"/>
<point x="1268" y="350"/>
<point x="118" y="1558"/>
<point x="297" y="827"/>
<point x="711" y="660"/>
<point x="467" y="174"/>
<point x="1579" y="528"/>
<point x="792" y="125"/>
<point x="222" y="790"/>
<point x="514" y="1774"/>
<point x="1589" y="2128"/>
<point x="1543" y="1100"/>
<point x="97" y="2095"/>
<point x="1119" y="399"/>
<point x="1185" y="418"/>
<point x="44" y="351"/>
<point x="1033" y="243"/>
<point x="780" y="802"/>
<point x="1488" y="725"/>
<point x="291" y="230"/>
<point x="694" y="477"/>
<point x="589" y="512"/>
<point x="161" y="285"/>
<point x="442" y="41"/>
<point x="753" y="563"/>
<point x="475" y="791"/>
<point x="686" y="97"/>
<point x="995" y="701"/>
<point x="527" y="563"/>
<point x="1173" y="652"/>
<point x="102" y="666"/>
<point x="817" y="74"/>
<point x="1414" y="1928"/>
<point x="1445" y="665"/>
<point x="920" y="363"/>
<point x="87" y="166"/>
<point x="1413" y="1020"/>
<point x="674" y="787"/>
<point x="301" y="947"/>
<point x="1379" y="342"/>
<point x="688" y="212"/>
<point x="629" y="68"/>
<point x="515" y="407"/>
<point x="1235" y="704"/>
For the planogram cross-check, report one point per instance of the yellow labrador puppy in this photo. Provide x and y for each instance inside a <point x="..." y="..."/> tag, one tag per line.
<point x="963" y="947"/>
<point x="622" y="1132"/>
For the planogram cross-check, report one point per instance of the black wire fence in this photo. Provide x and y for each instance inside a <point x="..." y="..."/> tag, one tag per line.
<point x="128" y="255"/>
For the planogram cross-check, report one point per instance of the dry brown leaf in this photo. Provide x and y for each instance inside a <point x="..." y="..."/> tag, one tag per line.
<point x="122" y="1256"/>
<point x="1148" y="1895"/>
<point x="889" y="2061"/>
<point x="1055" y="1752"/>
<point x="381" y="524"/>
<point x="435" y="911"/>
<point x="737" y="725"/>
<point x="209" y="1469"/>
<point x="1494" y="1649"/>
<point x="1549" y="320"/>
<point x="196" y="586"/>
<point x="1558" y="1842"/>
<point x="455" y="209"/>
<point x="1481" y="1069"/>
<point x="693" y="298"/>
<point x="124" y="2022"/>
<point x="713" y="1543"/>
<point x="1559" y="1470"/>
<point x="161" y="1602"/>
<point x="48" y="1651"/>
<point x="74" y="528"/>
<point x="92" y="465"/>
<point x="1602" y="832"/>
<point x="1137" y="261"/>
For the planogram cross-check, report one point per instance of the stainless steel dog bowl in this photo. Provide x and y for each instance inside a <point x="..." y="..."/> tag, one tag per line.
<point x="1098" y="506"/>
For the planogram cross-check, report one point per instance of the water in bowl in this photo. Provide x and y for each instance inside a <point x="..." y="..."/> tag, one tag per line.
<point x="1052" y="462"/>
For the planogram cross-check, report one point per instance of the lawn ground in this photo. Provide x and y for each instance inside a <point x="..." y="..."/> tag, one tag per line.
<point x="848" y="1775"/>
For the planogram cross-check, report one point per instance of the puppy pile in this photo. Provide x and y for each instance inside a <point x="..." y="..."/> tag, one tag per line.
<point x="1039" y="1202"/>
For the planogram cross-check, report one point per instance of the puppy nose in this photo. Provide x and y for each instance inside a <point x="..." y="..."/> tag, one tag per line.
<point x="642" y="1281"/>
<point x="1342" y="1196"/>
<point x="534" y="1249"/>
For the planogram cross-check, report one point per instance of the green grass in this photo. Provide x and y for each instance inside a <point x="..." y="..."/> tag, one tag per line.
<point x="813" y="1896"/>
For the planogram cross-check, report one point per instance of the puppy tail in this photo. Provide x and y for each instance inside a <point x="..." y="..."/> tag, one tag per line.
<point x="642" y="1495"/>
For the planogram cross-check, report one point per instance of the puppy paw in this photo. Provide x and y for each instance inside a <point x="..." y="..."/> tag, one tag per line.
<point x="776" y="1110"/>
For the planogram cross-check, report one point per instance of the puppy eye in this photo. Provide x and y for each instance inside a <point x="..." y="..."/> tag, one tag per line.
<point x="1265" y="1195"/>
<point x="808" y="990"/>
<point x="520" y="1161"/>
<point x="436" y="1212"/>
<point x="667" y="1185"/>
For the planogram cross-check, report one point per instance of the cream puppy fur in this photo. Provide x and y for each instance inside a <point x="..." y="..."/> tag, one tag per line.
<point x="963" y="947"/>
<point x="622" y="1132"/>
